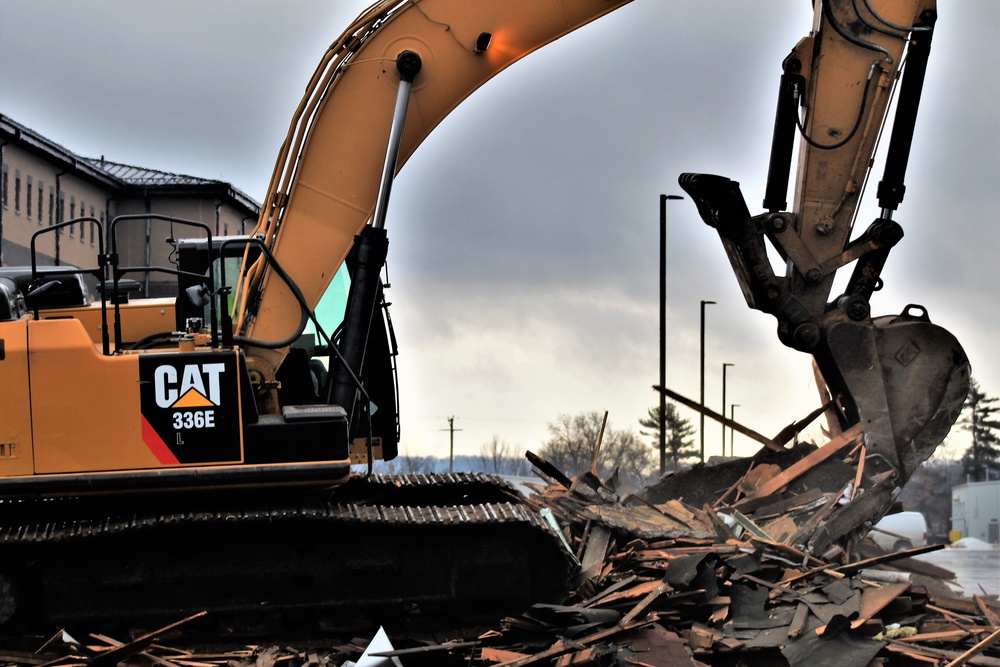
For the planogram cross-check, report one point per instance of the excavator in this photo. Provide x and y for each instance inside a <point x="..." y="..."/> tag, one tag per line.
<point x="233" y="469"/>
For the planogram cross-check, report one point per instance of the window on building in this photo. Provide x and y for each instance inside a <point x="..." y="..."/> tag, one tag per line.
<point x="102" y="226"/>
<point x="27" y="199"/>
<point x="41" y="200"/>
<point x="72" y="214"/>
<point x="83" y="212"/>
<point x="52" y="205"/>
<point x="17" y="191"/>
<point x="3" y="185"/>
<point x="83" y="227"/>
<point x="61" y="212"/>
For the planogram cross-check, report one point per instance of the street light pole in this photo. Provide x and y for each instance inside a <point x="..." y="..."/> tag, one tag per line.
<point x="663" y="328"/>
<point x="732" y="418"/>
<point x="701" y="427"/>
<point x="724" y="367"/>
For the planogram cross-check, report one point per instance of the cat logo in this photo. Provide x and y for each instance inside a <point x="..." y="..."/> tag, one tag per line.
<point x="198" y="387"/>
<point x="191" y="407"/>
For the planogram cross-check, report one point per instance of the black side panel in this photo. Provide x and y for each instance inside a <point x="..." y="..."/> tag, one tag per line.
<point x="287" y="439"/>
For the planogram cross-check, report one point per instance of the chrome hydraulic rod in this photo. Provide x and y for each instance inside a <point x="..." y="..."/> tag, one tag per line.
<point x="408" y="63"/>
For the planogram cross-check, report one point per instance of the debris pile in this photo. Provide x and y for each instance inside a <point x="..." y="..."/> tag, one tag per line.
<point x="759" y="561"/>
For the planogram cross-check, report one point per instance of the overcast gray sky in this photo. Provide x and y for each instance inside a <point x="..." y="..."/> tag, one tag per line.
<point x="523" y="233"/>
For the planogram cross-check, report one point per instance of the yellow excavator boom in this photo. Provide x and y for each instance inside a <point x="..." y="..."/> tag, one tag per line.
<point x="324" y="187"/>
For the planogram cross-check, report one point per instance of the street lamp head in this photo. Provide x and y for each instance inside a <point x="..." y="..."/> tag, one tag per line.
<point x="672" y="197"/>
<point x="706" y="302"/>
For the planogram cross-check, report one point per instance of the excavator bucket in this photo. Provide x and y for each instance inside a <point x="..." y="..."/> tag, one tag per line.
<point x="903" y="378"/>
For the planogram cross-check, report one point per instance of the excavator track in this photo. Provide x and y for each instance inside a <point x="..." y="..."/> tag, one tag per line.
<point x="374" y="551"/>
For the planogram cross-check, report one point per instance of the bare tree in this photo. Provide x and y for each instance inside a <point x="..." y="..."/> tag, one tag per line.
<point x="406" y="464"/>
<point x="501" y="458"/>
<point x="573" y="441"/>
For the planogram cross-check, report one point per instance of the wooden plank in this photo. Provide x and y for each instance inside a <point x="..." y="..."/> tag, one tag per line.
<point x="789" y="505"/>
<point x="639" y="590"/>
<point x="861" y="470"/>
<point x="915" y="651"/>
<point x="757" y="477"/>
<point x="799" y="620"/>
<point x="873" y="600"/>
<point x="721" y="499"/>
<point x="962" y="605"/>
<point x="614" y="588"/>
<point x="800" y="467"/>
<point x="597" y="547"/>
<point x="991" y="616"/>
<point x="853" y="568"/>
<point x="946" y="636"/>
<point x="597" y="449"/>
<point x="120" y="653"/>
<point x="781" y="528"/>
<point x="935" y="655"/>
<point x="708" y="412"/>
<point x="500" y="655"/>
<point x="703" y="637"/>
<point x="797" y="427"/>
<point x="560" y="647"/>
<point x="672" y="552"/>
<point x="810" y="525"/>
<point x="550" y="470"/>
<point x="679" y="511"/>
<point x="975" y="650"/>
<point x="447" y="647"/>
<point x="645" y="603"/>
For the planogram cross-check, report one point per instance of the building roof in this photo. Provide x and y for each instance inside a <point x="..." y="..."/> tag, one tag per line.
<point x="146" y="178"/>
<point x="143" y="176"/>
<point x="121" y="176"/>
<point x="31" y="141"/>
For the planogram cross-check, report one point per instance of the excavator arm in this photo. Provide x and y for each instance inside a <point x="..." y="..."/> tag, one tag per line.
<point x="326" y="187"/>
<point x="903" y="378"/>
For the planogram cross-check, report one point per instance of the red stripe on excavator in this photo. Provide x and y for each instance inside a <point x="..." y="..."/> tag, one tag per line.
<point x="156" y="444"/>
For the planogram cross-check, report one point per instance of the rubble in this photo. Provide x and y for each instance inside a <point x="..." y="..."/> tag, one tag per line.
<point x="759" y="561"/>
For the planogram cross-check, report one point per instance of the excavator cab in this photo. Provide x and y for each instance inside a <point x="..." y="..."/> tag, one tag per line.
<point x="304" y="375"/>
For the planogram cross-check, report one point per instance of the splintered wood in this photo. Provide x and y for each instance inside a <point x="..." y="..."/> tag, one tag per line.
<point x="760" y="561"/>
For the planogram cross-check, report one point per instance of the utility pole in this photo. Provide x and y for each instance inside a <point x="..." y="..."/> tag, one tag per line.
<point x="451" y="447"/>
<point x="724" y="367"/>
<point x="701" y="414"/>
<point x="663" y="327"/>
